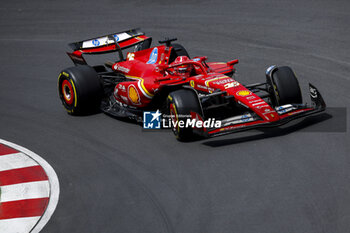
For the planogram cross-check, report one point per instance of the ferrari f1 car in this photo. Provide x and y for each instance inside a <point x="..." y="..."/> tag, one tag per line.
<point x="165" y="79"/>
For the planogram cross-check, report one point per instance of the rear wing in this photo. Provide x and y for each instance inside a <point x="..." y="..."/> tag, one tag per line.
<point x="107" y="44"/>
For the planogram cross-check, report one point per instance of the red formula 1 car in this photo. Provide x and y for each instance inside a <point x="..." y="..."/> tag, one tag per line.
<point x="165" y="79"/>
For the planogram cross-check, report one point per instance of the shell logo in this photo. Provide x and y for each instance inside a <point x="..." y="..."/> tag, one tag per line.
<point x="243" y="93"/>
<point x="133" y="95"/>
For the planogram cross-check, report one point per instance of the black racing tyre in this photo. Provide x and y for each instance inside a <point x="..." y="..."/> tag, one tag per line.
<point x="180" y="50"/>
<point x="286" y="89"/>
<point x="180" y="104"/>
<point x="80" y="90"/>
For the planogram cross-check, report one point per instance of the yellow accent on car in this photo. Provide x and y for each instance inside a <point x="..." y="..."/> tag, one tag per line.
<point x="141" y="84"/>
<point x="192" y="83"/>
<point x="177" y="118"/>
<point x="243" y="93"/>
<point x="214" y="79"/>
<point x="133" y="95"/>
<point x="75" y="94"/>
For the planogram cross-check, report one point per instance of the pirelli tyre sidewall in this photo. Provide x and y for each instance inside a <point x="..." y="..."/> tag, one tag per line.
<point x="286" y="87"/>
<point x="181" y="103"/>
<point x="80" y="90"/>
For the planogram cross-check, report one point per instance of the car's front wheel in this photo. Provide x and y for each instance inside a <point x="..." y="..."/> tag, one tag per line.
<point x="284" y="87"/>
<point x="180" y="104"/>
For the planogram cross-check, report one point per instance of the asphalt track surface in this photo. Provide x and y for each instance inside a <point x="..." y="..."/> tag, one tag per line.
<point x="114" y="177"/>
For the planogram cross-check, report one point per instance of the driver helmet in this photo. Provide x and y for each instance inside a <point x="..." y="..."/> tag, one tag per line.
<point x="183" y="69"/>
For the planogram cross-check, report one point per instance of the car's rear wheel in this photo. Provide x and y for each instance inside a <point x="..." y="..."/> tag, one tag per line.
<point x="80" y="90"/>
<point x="181" y="103"/>
<point x="284" y="88"/>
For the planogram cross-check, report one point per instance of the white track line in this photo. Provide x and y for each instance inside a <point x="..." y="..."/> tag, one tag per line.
<point x="18" y="225"/>
<point x="17" y="160"/>
<point x="22" y="191"/>
<point x="54" y="186"/>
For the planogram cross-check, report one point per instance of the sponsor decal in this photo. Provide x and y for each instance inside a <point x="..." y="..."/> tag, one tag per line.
<point x="196" y="59"/>
<point x="96" y="42"/>
<point x="133" y="94"/>
<point x="121" y="68"/>
<point x="285" y="108"/>
<point x="243" y="93"/>
<point x="231" y="84"/>
<point x="192" y="83"/>
<point x="209" y="89"/>
<point x="245" y="118"/>
<point x="262" y="102"/>
<point x="254" y="101"/>
<point x="219" y="82"/>
<point x="105" y="40"/>
<point x="131" y="56"/>
<point x="122" y="87"/>
<point x="153" y="57"/>
<point x="203" y="87"/>
<point x="281" y="110"/>
<point x="262" y="106"/>
<point x="313" y="92"/>
<point x="251" y="98"/>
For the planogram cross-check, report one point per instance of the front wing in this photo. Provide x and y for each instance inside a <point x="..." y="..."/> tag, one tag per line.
<point x="286" y="114"/>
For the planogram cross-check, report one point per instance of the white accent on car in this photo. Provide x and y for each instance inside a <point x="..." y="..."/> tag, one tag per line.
<point x="284" y="108"/>
<point x="104" y="40"/>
